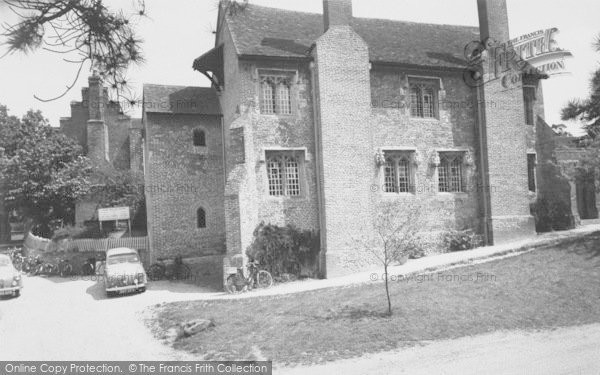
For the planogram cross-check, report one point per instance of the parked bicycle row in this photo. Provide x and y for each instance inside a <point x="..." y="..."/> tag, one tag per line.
<point x="237" y="281"/>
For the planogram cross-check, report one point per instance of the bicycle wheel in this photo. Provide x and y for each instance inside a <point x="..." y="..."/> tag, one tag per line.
<point x="156" y="272"/>
<point x="264" y="279"/>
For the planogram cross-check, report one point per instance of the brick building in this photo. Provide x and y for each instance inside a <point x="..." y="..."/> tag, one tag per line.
<point x="111" y="139"/>
<point x="319" y="120"/>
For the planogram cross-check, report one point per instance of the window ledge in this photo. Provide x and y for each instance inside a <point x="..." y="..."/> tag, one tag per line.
<point x="398" y="195"/>
<point x="281" y="198"/>
<point x="428" y="119"/>
<point x="455" y="194"/>
<point x="199" y="149"/>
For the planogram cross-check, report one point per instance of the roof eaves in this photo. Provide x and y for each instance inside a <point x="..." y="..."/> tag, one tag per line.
<point x="247" y="56"/>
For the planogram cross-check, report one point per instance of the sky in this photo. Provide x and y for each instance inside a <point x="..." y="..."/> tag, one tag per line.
<point x="178" y="31"/>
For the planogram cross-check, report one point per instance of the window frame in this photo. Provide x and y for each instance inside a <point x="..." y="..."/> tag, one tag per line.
<point x="201" y="224"/>
<point x="424" y="82"/>
<point x="275" y="79"/>
<point x="287" y="189"/>
<point x="453" y="160"/>
<point x="400" y="160"/>
<point x="201" y="131"/>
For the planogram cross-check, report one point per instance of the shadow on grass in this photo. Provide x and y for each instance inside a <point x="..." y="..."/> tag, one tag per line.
<point x="352" y="313"/>
<point x="588" y="246"/>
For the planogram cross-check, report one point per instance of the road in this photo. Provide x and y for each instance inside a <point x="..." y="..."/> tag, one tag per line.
<point x="58" y="319"/>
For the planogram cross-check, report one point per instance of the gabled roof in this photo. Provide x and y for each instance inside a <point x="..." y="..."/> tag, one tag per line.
<point x="271" y="32"/>
<point x="180" y="99"/>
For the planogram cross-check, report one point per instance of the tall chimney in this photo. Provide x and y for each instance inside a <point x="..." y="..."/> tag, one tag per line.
<point x="97" y="132"/>
<point x="337" y="13"/>
<point x="493" y="20"/>
<point x="502" y="133"/>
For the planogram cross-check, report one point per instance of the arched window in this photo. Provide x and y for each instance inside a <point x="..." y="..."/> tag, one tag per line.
<point x="201" y="218"/>
<point x="199" y="137"/>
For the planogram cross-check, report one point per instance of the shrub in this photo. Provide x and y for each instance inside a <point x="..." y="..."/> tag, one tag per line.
<point x="78" y="231"/>
<point x="285" y="250"/>
<point x="458" y="240"/>
<point x="551" y="214"/>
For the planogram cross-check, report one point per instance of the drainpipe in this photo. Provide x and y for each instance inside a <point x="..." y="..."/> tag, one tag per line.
<point x="317" y="159"/>
<point x="483" y="166"/>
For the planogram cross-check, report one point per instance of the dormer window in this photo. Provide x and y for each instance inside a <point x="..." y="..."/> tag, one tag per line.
<point x="275" y="94"/>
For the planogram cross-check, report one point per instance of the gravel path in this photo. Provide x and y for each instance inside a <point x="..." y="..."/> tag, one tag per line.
<point x="573" y="350"/>
<point x="59" y="319"/>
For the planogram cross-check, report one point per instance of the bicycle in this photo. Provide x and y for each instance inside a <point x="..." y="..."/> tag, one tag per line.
<point x="257" y="278"/>
<point x="30" y="264"/>
<point x="46" y="268"/>
<point x="177" y="271"/>
<point x="65" y="268"/>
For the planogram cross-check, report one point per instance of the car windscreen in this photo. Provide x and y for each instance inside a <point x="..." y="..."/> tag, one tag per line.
<point x="123" y="258"/>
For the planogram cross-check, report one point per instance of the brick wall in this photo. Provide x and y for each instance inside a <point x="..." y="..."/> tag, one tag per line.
<point x="455" y="129"/>
<point x="345" y="152"/>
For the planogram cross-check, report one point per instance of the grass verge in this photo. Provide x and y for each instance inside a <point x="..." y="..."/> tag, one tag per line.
<point x="542" y="289"/>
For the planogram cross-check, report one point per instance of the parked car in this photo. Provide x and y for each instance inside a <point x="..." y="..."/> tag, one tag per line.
<point x="10" y="279"/>
<point x="124" y="272"/>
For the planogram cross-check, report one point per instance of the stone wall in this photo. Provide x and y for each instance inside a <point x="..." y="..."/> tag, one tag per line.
<point x="181" y="178"/>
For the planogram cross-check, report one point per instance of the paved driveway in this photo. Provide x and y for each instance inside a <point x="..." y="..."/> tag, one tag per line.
<point x="62" y="319"/>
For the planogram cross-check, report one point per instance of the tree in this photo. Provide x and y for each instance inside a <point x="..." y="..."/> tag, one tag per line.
<point x="118" y="188"/>
<point x="82" y="32"/>
<point x="587" y="110"/>
<point x="397" y="229"/>
<point x="43" y="171"/>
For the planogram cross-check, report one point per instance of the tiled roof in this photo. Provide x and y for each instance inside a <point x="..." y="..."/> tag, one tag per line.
<point x="181" y="99"/>
<point x="262" y="31"/>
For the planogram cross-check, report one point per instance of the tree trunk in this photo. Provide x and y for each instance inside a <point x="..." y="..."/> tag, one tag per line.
<point x="387" y="289"/>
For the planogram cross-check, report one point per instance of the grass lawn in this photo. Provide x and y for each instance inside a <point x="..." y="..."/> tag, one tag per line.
<point x="543" y="289"/>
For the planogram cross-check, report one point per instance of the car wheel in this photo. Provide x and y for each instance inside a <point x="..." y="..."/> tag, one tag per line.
<point x="17" y="293"/>
<point x="142" y="289"/>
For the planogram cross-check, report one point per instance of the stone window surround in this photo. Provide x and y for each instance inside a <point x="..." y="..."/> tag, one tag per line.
<point x="412" y="151"/>
<point x="292" y="74"/>
<point x="439" y="94"/>
<point x="466" y="153"/>
<point x="303" y="158"/>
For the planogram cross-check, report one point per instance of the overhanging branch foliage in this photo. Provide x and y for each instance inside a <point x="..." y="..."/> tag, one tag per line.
<point x="83" y="32"/>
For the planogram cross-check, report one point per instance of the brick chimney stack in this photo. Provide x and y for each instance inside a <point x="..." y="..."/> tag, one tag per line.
<point x="97" y="132"/>
<point x="337" y="13"/>
<point x="493" y="20"/>
<point x="503" y="133"/>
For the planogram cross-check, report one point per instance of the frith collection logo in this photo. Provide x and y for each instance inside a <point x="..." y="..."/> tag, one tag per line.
<point x="533" y="53"/>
